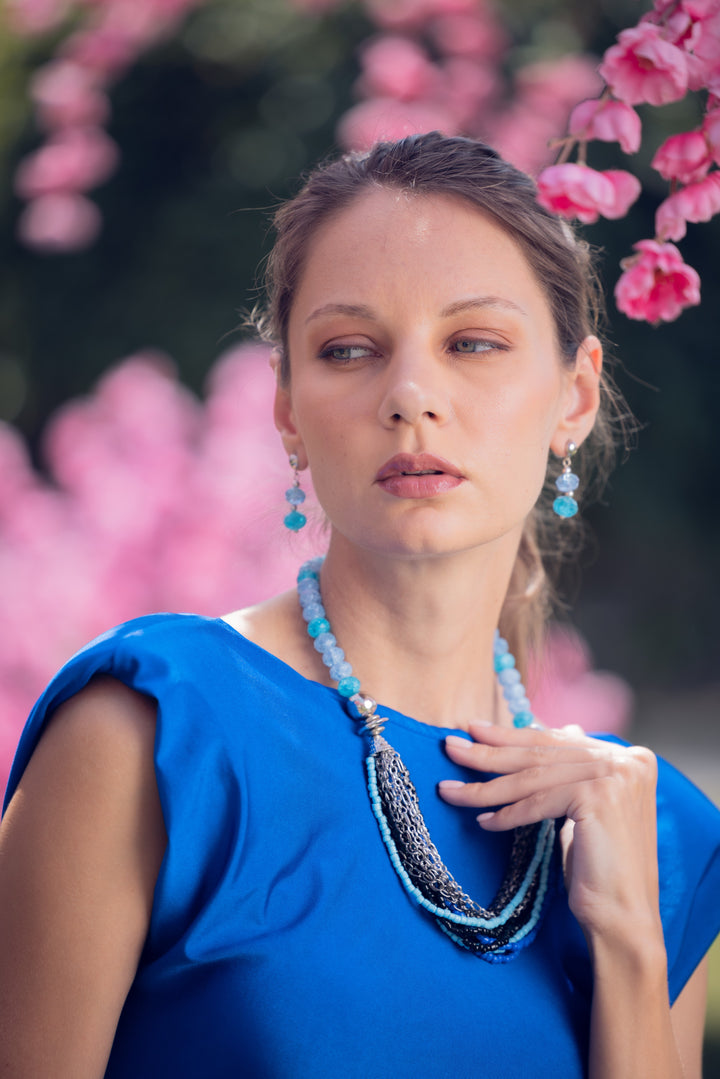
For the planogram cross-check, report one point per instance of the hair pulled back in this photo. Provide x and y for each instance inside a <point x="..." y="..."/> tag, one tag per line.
<point x="434" y="164"/>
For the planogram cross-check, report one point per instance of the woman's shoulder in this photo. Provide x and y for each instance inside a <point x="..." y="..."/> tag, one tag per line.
<point x="194" y="670"/>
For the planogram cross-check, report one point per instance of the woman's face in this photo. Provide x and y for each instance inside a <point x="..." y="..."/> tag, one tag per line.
<point x="426" y="385"/>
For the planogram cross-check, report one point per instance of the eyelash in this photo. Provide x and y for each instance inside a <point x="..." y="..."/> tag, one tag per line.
<point x="490" y="345"/>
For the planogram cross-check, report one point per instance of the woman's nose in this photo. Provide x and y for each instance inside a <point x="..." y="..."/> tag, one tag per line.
<point x="414" y="390"/>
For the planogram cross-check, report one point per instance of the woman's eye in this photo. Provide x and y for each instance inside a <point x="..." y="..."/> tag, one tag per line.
<point x="346" y="353"/>
<point x="469" y="345"/>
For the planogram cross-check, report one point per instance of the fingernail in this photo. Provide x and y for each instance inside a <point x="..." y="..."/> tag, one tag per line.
<point x="450" y="784"/>
<point x="456" y="740"/>
<point x="484" y="816"/>
<point x="481" y="723"/>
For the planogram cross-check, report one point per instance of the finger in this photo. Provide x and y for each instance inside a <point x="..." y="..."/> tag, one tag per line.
<point x="516" y="787"/>
<point x="502" y="759"/>
<point x="550" y="804"/>
<point x="491" y="734"/>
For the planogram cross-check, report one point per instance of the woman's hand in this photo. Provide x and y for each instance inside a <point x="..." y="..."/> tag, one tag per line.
<point x="605" y="791"/>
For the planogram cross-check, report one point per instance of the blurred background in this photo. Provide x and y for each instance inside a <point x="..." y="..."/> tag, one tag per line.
<point x="138" y="463"/>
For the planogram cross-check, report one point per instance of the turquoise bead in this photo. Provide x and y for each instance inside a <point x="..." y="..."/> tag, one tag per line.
<point x="307" y="574"/>
<point x="348" y="687"/>
<point x="504" y="661"/>
<point x="565" y="506"/>
<point x="318" y="626"/>
<point x="523" y="719"/>
<point x="295" y="521"/>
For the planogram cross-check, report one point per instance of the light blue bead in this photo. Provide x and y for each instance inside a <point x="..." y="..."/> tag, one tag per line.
<point x="348" y="687"/>
<point x="523" y="719"/>
<point x="520" y="704"/>
<point x="567" y="481"/>
<point x="565" y="506"/>
<point x="313" y="610"/>
<point x="318" y="626"/>
<point x="509" y="676"/>
<point x="514" y="691"/>
<point x="340" y="670"/>
<point x="324" y="640"/>
<point x="500" y="645"/>
<point x="308" y="585"/>
<point x="502" y="662"/>
<point x="295" y="521"/>
<point x="294" y="496"/>
<point x="331" y="656"/>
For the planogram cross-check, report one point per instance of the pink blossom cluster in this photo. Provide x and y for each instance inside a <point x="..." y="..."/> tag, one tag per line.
<point x="154" y="501"/>
<point x="150" y="501"/>
<point x="70" y="95"/>
<point x="675" y="48"/>
<point x="439" y="65"/>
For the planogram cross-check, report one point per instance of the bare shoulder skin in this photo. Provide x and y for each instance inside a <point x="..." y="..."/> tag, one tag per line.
<point x="80" y="849"/>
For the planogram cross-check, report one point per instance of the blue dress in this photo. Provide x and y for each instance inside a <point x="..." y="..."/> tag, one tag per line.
<point x="281" y="944"/>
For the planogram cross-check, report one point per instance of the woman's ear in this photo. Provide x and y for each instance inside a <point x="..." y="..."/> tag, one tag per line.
<point x="285" y="420"/>
<point x="582" y="398"/>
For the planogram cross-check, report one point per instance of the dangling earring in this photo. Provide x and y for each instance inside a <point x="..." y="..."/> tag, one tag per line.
<point x="567" y="482"/>
<point x="295" y="520"/>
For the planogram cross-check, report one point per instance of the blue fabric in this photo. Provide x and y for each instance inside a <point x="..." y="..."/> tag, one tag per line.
<point x="281" y="943"/>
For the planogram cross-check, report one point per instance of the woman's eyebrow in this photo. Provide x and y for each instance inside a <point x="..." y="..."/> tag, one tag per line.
<point x="353" y="309"/>
<point x="460" y="306"/>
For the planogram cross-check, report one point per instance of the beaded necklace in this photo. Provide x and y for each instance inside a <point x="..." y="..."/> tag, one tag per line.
<point x="497" y="933"/>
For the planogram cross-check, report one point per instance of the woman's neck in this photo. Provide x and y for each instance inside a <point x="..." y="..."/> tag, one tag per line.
<point x="418" y="632"/>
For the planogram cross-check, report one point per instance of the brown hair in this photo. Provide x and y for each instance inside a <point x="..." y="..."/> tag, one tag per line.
<point x="436" y="164"/>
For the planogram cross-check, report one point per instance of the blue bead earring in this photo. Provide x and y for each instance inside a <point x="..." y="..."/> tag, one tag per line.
<point x="295" y="520"/>
<point x="567" y="482"/>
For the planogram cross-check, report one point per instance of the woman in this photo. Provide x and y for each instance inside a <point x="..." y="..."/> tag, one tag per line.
<point x="194" y="881"/>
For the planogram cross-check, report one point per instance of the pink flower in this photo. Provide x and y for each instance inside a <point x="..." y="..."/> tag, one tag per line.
<point x="684" y="157"/>
<point x="607" y="120"/>
<point x="554" y="86"/>
<point x="59" y="222"/>
<point x="577" y="191"/>
<point x="643" y="67"/>
<point x="413" y="14"/>
<point x="521" y="135"/>
<point x="696" y="202"/>
<point x="475" y="34"/>
<point x="564" y="688"/>
<point x="626" y="190"/>
<point x="656" y="284"/>
<point x="467" y="86"/>
<point x="74" y="159"/>
<point x="711" y="131"/>
<point x="398" y="14"/>
<point x="398" y="67"/>
<point x="386" y="118"/>
<point x="704" y="61"/>
<point x="35" y="16"/>
<point x="701" y="9"/>
<point x="104" y="51"/>
<point x="66" y="95"/>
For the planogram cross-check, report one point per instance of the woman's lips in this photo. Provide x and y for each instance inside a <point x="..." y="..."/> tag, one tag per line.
<point x="418" y="475"/>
